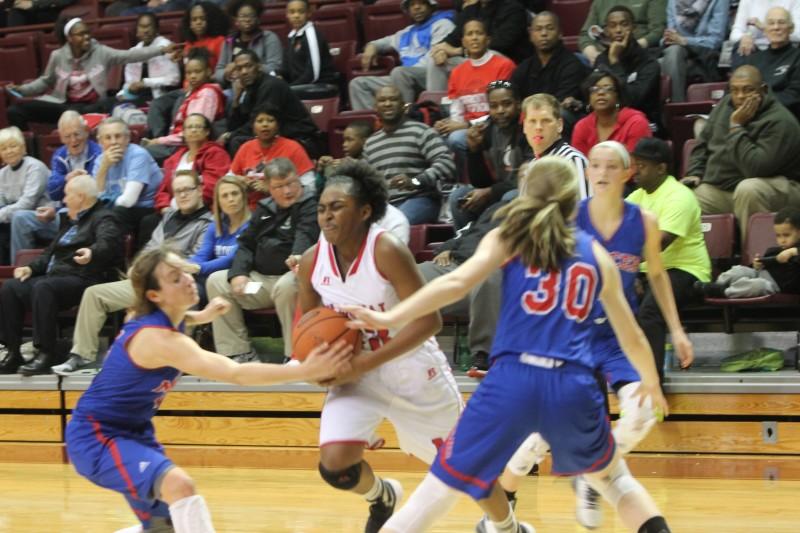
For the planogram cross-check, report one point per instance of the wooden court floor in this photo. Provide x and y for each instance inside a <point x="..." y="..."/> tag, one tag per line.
<point x="52" y="498"/>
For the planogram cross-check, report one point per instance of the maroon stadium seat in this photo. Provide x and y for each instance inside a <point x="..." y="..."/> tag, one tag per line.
<point x="18" y="60"/>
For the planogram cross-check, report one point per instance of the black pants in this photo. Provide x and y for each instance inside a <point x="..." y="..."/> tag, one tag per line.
<point x="652" y="322"/>
<point x="21" y="113"/>
<point x="129" y="218"/>
<point x="45" y="296"/>
<point x="161" y="111"/>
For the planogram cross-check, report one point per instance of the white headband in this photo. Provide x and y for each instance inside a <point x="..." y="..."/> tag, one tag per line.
<point x="71" y="24"/>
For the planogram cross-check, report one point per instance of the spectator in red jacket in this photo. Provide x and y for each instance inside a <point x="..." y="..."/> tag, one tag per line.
<point x="609" y="119"/>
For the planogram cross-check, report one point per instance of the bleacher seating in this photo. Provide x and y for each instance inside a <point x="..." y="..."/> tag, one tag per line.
<point x="760" y="236"/>
<point x="382" y="19"/>
<point x="18" y="60"/>
<point x="322" y="110"/>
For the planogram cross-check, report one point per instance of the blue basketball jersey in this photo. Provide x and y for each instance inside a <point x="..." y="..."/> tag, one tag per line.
<point x="626" y="246"/>
<point x="123" y="394"/>
<point x="548" y="313"/>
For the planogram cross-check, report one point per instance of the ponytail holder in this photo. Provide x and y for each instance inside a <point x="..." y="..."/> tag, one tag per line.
<point x="71" y="24"/>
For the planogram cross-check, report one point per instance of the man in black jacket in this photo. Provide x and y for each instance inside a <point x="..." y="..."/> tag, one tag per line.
<point x="262" y="274"/>
<point x="254" y="89"/>
<point x="631" y="63"/>
<point x="483" y="303"/>
<point x="85" y="251"/>
<point x="552" y="69"/>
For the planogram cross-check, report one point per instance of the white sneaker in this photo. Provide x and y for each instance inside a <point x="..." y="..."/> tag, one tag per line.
<point x="76" y="366"/>
<point x="486" y="526"/>
<point x="588" y="510"/>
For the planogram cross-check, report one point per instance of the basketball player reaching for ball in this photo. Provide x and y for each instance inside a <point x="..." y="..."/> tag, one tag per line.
<point x="400" y="374"/>
<point x="630" y="235"/>
<point x="110" y="438"/>
<point x="542" y="379"/>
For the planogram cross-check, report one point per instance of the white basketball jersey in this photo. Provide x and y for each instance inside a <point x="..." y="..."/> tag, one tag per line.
<point x="362" y="285"/>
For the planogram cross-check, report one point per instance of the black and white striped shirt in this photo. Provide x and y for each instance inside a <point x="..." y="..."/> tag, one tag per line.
<point x="561" y="148"/>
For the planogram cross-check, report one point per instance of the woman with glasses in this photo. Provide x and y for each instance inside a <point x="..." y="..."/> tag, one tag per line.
<point x="199" y="153"/>
<point x="253" y="156"/>
<point x="245" y="15"/>
<point x="609" y="119"/>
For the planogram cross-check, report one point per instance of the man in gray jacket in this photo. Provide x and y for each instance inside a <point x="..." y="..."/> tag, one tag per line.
<point x="76" y="77"/>
<point x="184" y="228"/>
<point x="747" y="159"/>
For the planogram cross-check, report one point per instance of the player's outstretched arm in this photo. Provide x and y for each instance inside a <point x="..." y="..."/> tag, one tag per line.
<point x="629" y="334"/>
<point x="440" y="292"/>
<point x="154" y="348"/>
<point x="662" y="290"/>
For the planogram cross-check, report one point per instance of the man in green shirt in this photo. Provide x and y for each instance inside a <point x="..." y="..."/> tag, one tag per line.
<point x="684" y="251"/>
<point x="650" y="18"/>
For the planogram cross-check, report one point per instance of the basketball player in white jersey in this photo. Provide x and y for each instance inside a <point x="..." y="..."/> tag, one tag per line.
<point x="399" y="375"/>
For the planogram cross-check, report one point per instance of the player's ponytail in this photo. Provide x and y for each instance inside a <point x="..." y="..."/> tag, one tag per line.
<point x="536" y="225"/>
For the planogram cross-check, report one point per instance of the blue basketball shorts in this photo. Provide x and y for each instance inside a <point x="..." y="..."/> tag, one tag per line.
<point x="515" y="399"/>
<point x="126" y="462"/>
<point x="612" y="363"/>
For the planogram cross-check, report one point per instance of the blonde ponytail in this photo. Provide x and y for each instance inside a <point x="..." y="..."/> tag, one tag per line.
<point x="536" y="225"/>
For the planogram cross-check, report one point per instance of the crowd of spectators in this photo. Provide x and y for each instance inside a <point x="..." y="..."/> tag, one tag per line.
<point x="227" y="134"/>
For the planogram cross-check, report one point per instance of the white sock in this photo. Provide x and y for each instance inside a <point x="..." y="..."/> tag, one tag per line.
<point x="509" y="525"/>
<point x="190" y="515"/>
<point x="376" y="492"/>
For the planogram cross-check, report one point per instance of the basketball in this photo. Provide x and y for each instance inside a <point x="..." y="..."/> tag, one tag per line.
<point x="321" y="325"/>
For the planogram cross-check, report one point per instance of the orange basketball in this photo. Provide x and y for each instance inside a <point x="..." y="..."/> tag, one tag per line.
<point x="321" y="325"/>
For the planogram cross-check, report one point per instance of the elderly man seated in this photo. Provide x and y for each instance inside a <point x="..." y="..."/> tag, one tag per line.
<point x="747" y="159"/>
<point x="85" y="251"/>
<point x="779" y="64"/>
<point x="78" y="152"/>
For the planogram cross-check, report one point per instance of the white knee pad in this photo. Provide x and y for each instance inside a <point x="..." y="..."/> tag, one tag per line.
<point x="616" y="484"/>
<point x="432" y="500"/>
<point x="635" y="421"/>
<point x="530" y="453"/>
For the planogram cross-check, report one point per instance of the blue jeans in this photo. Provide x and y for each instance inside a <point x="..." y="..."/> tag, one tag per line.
<point x="461" y="217"/>
<point x="421" y="210"/>
<point x="25" y="228"/>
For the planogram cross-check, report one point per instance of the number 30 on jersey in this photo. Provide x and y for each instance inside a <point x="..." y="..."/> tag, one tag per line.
<point x="578" y="290"/>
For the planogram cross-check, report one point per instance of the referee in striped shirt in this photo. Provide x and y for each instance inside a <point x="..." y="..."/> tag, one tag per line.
<point x="543" y="125"/>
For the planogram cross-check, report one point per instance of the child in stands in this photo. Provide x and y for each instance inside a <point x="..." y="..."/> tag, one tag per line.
<point x="307" y="64"/>
<point x="777" y="270"/>
<point x="353" y="139"/>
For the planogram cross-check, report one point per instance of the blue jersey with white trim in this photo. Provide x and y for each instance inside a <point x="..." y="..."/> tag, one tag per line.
<point x="626" y="247"/>
<point x="548" y="313"/>
<point x="123" y="394"/>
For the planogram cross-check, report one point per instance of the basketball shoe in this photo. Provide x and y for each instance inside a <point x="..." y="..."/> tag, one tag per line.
<point x="588" y="510"/>
<point x="382" y="509"/>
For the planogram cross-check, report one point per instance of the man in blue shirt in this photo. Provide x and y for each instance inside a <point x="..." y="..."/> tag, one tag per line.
<point x="126" y="173"/>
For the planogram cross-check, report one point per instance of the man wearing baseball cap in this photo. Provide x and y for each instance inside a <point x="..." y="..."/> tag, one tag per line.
<point x="413" y="43"/>
<point x="683" y="248"/>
